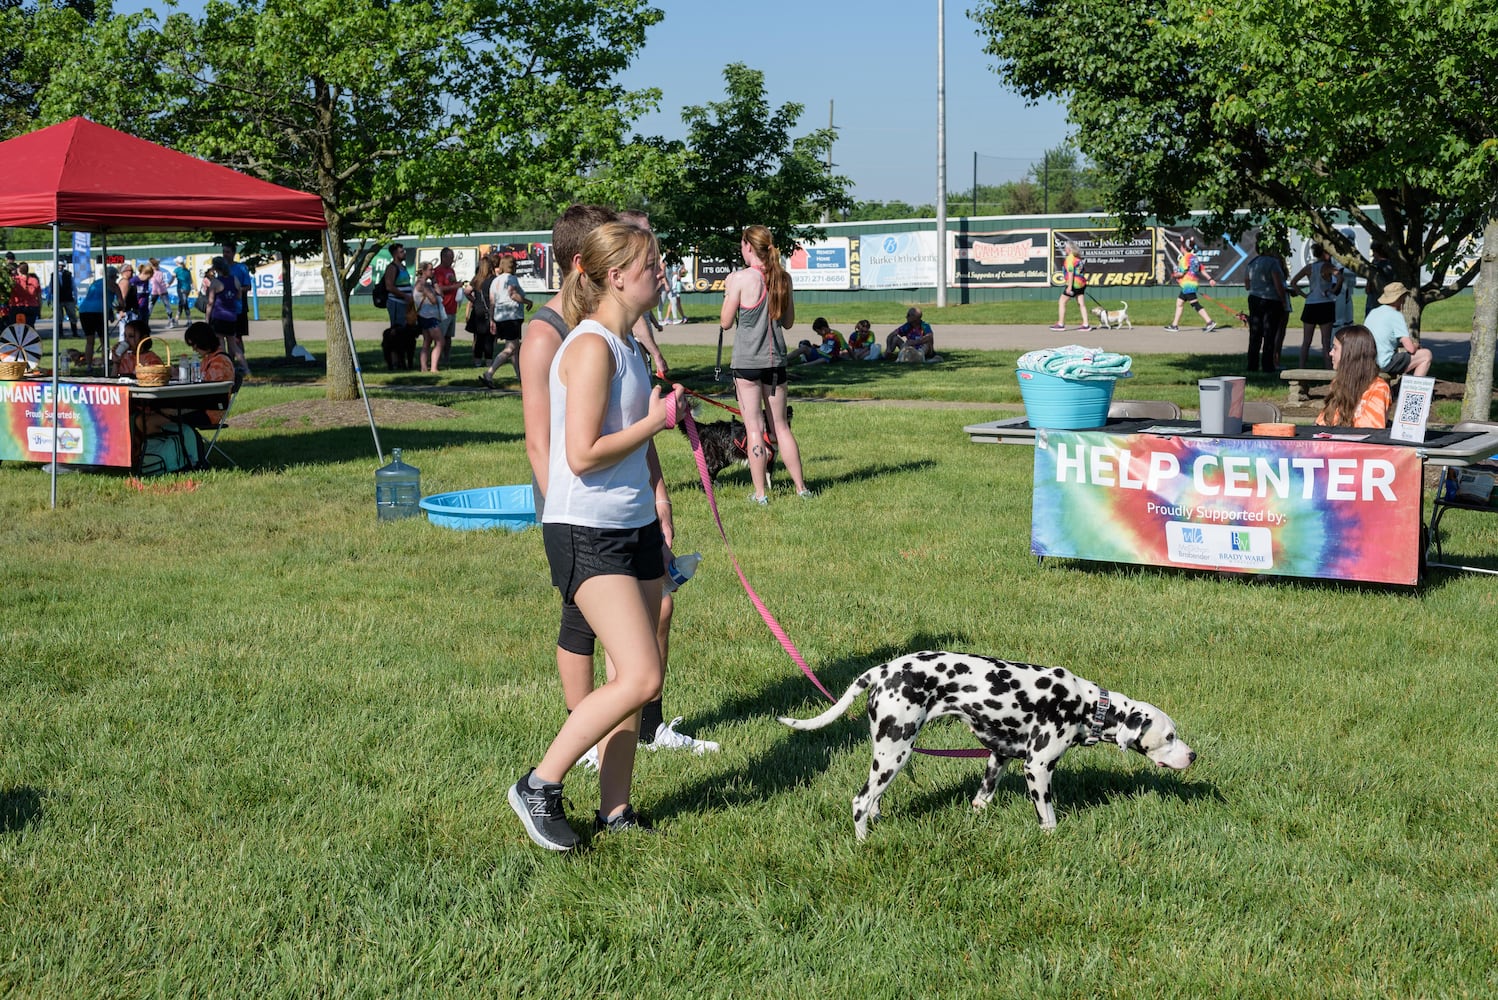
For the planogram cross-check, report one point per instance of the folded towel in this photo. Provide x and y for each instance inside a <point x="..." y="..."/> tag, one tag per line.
<point x="1077" y="362"/>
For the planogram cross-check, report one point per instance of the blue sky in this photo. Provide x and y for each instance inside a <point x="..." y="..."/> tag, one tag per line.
<point x="875" y="60"/>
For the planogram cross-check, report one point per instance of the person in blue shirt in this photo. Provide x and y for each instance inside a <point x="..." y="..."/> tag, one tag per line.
<point x="240" y="275"/>
<point x="1398" y="352"/>
<point x="92" y="310"/>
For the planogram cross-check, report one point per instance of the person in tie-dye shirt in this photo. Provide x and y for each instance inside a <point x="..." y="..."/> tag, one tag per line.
<point x="1073" y="286"/>
<point x="1188" y="274"/>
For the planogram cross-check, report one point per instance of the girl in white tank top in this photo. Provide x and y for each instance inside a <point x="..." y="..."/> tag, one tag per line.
<point x="599" y="525"/>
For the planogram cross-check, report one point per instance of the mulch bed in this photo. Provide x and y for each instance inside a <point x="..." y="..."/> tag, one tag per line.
<point x="323" y="413"/>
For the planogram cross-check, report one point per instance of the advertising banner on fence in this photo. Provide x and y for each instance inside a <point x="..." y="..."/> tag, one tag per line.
<point x="708" y="273"/>
<point x="1224" y="259"/>
<point x="532" y="265"/>
<point x="93" y="423"/>
<point x="820" y="264"/>
<point x="1333" y="509"/>
<point x="306" y="278"/>
<point x="1014" y="258"/>
<point x="898" y="260"/>
<point x="1112" y="259"/>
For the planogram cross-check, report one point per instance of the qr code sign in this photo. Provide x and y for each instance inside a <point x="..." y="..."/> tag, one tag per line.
<point x="1411" y="407"/>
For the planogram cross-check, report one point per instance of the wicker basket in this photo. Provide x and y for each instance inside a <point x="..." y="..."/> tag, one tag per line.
<point x="12" y="370"/>
<point x="149" y="375"/>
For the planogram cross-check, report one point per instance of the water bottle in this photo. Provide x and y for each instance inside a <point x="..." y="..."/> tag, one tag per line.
<point x="397" y="489"/>
<point x="196" y="370"/>
<point x="681" y="570"/>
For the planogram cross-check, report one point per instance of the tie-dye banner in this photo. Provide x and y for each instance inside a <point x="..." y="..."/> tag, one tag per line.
<point x="93" y="423"/>
<point x="1320" y="508"/>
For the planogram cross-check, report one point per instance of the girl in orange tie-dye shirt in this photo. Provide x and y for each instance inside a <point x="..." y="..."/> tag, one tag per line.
<point x="1358" y="397"/>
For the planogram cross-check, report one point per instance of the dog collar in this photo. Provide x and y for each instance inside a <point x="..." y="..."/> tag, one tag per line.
<point x="1099" y="714"/>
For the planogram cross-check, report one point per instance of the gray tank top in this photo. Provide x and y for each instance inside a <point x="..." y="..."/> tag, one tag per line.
<point x="758" y="342"/>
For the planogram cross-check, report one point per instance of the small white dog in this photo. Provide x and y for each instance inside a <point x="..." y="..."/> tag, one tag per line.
<point x="1113" y="319"/>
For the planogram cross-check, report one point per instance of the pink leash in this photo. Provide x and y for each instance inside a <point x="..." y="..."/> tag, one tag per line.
<point x="764" y="612"/>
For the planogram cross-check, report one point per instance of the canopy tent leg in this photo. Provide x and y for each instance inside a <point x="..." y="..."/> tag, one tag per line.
<point x="348" y="328"/>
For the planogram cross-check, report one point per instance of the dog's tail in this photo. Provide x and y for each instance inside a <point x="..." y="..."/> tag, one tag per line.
<point x="836" y="711"/>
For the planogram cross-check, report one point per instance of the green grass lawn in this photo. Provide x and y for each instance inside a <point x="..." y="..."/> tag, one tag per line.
<point x="256" y="743"/>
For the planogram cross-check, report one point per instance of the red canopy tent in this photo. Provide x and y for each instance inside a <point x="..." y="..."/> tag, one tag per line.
<point x="85" y="176"/>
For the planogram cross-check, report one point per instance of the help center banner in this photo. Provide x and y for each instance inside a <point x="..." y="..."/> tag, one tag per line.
<point x="1316" y="508"/>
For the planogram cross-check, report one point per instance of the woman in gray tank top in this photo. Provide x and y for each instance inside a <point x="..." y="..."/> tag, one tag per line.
<point x="757" y="300"/>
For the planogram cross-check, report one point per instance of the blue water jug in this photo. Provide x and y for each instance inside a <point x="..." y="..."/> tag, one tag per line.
<point x="397" y="489"/>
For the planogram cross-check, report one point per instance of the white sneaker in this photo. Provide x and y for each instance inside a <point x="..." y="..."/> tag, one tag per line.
<point x="667" y="738"/>
<point x="590" y="759"/>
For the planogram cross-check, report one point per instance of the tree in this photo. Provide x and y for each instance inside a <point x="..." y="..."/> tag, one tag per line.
<point x="740" y="166"/>
<point x="19" y="105"/>
<point x="402" y="116"/>
<point x="1300" y="111"/>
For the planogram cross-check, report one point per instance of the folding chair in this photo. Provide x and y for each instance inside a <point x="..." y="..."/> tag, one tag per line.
<point x="213" y="441"/>
<point x="1259" y="411"/>
<point x="1148" y="409"/>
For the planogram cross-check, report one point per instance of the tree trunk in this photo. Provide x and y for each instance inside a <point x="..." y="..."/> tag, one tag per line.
<point x="288" y="322"/>
<point x="341" y="384"/>
<point x="1477" y="404"/>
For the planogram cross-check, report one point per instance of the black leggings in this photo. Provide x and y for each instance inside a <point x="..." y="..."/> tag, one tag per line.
<point x="1265" y="317"/>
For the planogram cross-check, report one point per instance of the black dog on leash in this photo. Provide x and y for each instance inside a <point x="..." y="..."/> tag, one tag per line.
<point x="724" y="443"/>
<point x="399" y="345"/>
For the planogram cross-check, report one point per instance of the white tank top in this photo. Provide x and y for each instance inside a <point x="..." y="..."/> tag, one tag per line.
<point x="618" y="496"/>
<point x="1317" y="289"/>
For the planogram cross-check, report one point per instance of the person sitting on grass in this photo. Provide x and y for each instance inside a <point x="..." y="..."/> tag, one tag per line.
<point x="861" y="345"/>
<point x="831" y="349"/>
<point x="1358" y="397"/>
<point x="913" y="333"/>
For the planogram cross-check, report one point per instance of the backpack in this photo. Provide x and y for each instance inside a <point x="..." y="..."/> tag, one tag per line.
<point x="175" y="449"/>
<point x="379" y="294"/>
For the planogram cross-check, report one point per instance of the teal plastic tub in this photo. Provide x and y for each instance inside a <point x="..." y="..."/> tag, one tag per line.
<point x="1064" y="403"/>
<point x="510" y="507"/>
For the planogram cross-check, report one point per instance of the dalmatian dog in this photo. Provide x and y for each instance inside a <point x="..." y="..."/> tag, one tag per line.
<point x="1113" y="319"/>
<point x="1016" y="710"/>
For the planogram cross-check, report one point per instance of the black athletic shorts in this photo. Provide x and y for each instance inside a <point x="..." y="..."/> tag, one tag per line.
<point x="577" y="554"/>
<point x="1187" y="297"/>
<point x="508" y="329"/>
<point x="768" y="376"/>
<point x="1318" y="313"/>
<point x="1399" y="362"/>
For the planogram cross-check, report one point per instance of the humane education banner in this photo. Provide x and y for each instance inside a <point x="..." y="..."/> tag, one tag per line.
<point x="93" y="423"/>
<point x="1012" y="258"/>
<point x="1337" y="510"/>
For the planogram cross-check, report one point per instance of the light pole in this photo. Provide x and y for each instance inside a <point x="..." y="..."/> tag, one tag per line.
<point x="941" y="154"/>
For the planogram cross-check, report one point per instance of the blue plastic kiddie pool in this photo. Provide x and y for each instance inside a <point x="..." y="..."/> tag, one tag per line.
<point x="510" y="507"/>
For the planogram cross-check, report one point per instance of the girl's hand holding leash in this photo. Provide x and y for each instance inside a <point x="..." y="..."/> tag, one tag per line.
<point x="665" y="408"/>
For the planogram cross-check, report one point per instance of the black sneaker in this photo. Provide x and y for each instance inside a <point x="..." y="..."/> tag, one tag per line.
<point x="540" y="810"/>
<point x="626" y="821"/>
